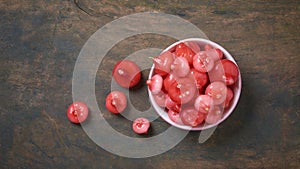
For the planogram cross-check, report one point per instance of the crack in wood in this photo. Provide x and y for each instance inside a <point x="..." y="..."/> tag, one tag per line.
<point x="80" y="8"/>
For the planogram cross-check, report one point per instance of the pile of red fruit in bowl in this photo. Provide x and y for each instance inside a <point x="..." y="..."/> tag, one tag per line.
<point x="194" y="84"/>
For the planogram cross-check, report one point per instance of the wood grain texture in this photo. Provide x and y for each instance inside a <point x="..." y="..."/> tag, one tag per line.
<point x="39" y="44"/>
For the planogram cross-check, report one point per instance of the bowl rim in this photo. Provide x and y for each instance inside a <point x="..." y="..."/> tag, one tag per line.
<point x="160" y="111"/>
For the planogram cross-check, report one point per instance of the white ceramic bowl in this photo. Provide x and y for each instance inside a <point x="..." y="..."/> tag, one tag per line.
<point x="236" y="89"/>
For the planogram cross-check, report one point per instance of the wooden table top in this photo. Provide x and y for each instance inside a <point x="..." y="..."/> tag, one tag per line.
<point x="41" y="40"/>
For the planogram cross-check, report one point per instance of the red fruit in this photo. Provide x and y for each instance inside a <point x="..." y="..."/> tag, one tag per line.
<point x="204" y="104"/>
<point x="77" y="112"/>
<point x="225" y="71"/>
<point x="155" y="83"/>
<point x="141" y="125"/>
<point x="192" y="101"/>
<point x="126" y="73"/>
<point x="220" y="53"/>
<point x="231" y="71"/>
<point x="201" y="79"/>
<point x="193" y="46"/>
<point x="175" y="117"/>
<point x="162" y="63"/>
<point x="191" y="117"/>
<point x="171" y="105"/>
<point x="169" y="80"/>
<point x="217" y="91"/>
<point x="207" y="47"/>
<point x="180" y="67"/>
<point x="201" y="91"/>
<point x="183" y="50"/>
<point x="183" y="91"/>
<point x="202" y="62"/>
<point x="116" y="102"/>
<point x="229" y="97"/>
<point x="214" y="115"/>
<point x="213" y="53"/>
<point x="160" y="99"/>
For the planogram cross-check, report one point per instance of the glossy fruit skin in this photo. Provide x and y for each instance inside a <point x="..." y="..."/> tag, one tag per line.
<point x="207" y="47"/>
<point x="182" y="50"/>
<point x="229" y="97"/>
<point x="214" y="115"/>
<point x="191" y="117"/>
<point x="180" y="67"/>
<point x="201" y="79"/>
<point x="219" y="52"/>
<point x="231" y="71"/>
<point x="193" y="46"/>
<point x="77" y="112"/>
<point x="171" y="105"/>
<point x="213" y="53"/>
<point x="116" y="102"/>
<point x="226" y="71"/>
<point x="183" y="90"/>
<point x="126" y="73"/>
<point x="162" y="63"/>
<point x="169" y="80"/>
<point x="217" y="91"/>
<point x="141" y="125"/>
<point x="160" y="99"/>
<point x="175" y="117"/>
<point x="204" y="104"/>
<point x="155" y="84"/>
<point x="202" y="62"/>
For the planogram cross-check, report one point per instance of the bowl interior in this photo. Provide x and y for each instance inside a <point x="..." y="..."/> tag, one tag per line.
<point x="226" y="112"/>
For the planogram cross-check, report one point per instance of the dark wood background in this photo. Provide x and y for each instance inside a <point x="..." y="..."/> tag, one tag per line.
<point x="39" y="44"/>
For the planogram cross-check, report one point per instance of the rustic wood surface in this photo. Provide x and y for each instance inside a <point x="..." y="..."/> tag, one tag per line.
<point x="39" y="44"/>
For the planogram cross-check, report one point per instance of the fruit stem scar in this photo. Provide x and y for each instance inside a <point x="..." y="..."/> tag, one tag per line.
<point x="75" y="112"/>
<point x="140" y="125"/>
